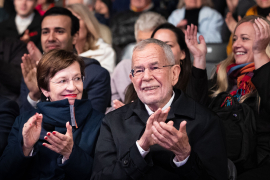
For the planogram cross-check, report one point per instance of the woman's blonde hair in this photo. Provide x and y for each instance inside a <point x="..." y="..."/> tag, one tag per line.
<point x="222" y="79"/>
<point x="91" y="24"/>
<point x="208" y="3"/>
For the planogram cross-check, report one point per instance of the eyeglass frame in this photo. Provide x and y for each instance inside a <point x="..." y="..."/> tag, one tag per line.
<point x="59" y="84"/>
<point x="132" y="70"/>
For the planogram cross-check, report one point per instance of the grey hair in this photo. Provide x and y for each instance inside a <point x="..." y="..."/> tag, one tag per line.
<point x="208" y="3"/>
<point x="148" y="21"/>
<point x="166" y="48"/>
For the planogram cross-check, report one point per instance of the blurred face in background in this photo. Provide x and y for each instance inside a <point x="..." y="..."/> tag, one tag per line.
<point x="24" y="7"/>
<point x="142" y="35"/>
<point x="263" y="3"/>
<point x="140" y="3"/>
<point x="192" y="4"/>
<point x="56" y="33"/>
<point x="242" y="43"/>
<point x="170" y="39"/>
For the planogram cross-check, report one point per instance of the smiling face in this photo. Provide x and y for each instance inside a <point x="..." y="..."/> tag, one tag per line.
<point x="24" y="7"/>
<point x="153" y="89"/>
<point x="169" y="38"/>
<point x="71" y="90"/>
<point x="56" y="33"/>
<point x="192" y="4"/>
<point x="242" y="43"/>
<point x="263" y="3"/>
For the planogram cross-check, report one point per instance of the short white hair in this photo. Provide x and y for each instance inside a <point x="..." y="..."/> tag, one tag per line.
<point x="166" y="48"/>
<point x="148" y="21"/>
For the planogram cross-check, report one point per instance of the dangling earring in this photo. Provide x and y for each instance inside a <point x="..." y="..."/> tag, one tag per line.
<point x="47" y="99"/>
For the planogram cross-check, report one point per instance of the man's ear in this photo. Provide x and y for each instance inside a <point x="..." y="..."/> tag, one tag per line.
<point x="75" y="38"/>
<point x="46" y="93"/>
<point x="176" y="69"/>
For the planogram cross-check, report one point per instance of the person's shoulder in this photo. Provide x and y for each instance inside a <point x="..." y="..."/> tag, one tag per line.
<point x="9" y="104"/>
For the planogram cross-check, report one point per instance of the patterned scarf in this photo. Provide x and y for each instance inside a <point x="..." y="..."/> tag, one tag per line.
<point x="241" y="74"/>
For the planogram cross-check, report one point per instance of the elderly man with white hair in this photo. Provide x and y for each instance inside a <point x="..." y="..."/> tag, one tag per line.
<point x="162" y="135"/>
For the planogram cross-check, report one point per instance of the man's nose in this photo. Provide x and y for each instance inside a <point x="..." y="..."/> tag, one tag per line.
<point x="51" y="37"/>
<point x="147" y="74"/>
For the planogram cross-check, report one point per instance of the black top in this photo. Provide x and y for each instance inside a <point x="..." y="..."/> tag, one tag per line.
<point x="192" y="16"/>
<point x="263" y="11"/>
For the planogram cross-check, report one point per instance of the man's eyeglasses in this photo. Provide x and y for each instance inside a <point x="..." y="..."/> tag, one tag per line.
<point x="65" y="82"/>
<point x="154" y="69"/>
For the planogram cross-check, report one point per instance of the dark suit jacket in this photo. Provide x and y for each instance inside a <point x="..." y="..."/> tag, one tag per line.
<point x="117" y="156"/>
<point x="9" y="29"/>
<point x="9" y="110"/>
<point x="96" y="84"/>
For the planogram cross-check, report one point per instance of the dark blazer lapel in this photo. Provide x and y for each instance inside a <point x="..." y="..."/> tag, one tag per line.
<point x="139" y="109"/>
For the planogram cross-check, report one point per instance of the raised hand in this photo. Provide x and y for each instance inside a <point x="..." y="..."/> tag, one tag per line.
<point x="232" y="4"/>
<point x="34" y="52"/>
<point x="117" y="104"/>
<point x="146" y="140"/>
<point x="167" y="136"/>
<point x="29" y="72"/>
<point x="231" y="23"/>
<point x="198" y="50"/>
<point x="60" y="143"/>
<point x="261" y="41"/>
<point x="26" y="37"/>
<point x="31" y="132"/>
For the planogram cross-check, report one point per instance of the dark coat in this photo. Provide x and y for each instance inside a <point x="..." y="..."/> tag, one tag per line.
<point x="9" y="110"/>
<point x="96" y="83"/>
<point x="117" y="156"/>
<point x="47" y="164"/>
<point x="261" y="80"/>
<point x="11" y="52"/>
<point x="9" y="29"/>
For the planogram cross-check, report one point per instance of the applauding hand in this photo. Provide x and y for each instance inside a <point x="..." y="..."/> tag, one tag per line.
<point x="31" y="132"/>
<point x="167" y="136"/>
<point x="261" y="41"/>
<point x="60" y="143"/>
<point x="198" y="50"/>
<point x="146" y="140"/>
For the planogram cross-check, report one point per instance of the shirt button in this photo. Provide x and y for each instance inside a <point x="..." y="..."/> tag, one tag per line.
<point x="125" y="162"/>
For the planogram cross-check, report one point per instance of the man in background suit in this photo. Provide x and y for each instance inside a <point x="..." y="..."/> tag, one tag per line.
<point x="162" y="135"/>
<point x="9" y="110"/>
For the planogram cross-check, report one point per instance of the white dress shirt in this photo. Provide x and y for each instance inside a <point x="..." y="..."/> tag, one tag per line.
<point x="144" y="153"/>
<point x="23" y="23"/>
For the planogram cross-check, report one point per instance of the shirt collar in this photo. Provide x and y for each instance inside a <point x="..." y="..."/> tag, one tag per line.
<point x="150" y="112"/>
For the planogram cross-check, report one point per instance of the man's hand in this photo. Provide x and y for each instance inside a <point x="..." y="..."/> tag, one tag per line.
<point x="26" y="37"/>
<point x="34" y="52"/>
<point x="146" y="140"/>
<point x="31" y="132"/>
<point x="60" y="143"/>
<point x="29" y="72"/>
<point x="167" y="136"/>
<point x="198" y="50"/>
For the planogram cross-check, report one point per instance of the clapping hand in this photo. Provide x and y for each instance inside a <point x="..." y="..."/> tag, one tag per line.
<point x="261" y="41"/>
<point x="34" y="52"/>
<point x="167" y="136"/>
<point x="26" y="37"/>
<point x="198" y="50"/>
<point x="146" y="140"/>
<point x="60" y="143"/>
<point x="117" y="104"/>
<point x="29" y="72"/>
<point x="31" y="132"/>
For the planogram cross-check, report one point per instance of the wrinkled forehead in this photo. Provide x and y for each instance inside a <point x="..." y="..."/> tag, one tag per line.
<point x="149" y="55"/>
